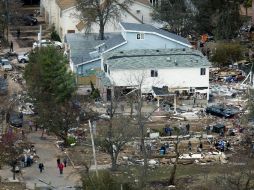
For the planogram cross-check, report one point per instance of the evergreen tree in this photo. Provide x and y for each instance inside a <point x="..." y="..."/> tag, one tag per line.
<point x="51" y="85"/>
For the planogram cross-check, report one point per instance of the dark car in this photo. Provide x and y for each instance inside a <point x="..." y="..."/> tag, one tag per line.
<point x="30" y="20"/>
<point x="222" y="111"/>
<point x="16" y="119"/>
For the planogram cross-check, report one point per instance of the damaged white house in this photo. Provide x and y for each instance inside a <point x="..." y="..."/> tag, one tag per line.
<point x="180" y="70"/>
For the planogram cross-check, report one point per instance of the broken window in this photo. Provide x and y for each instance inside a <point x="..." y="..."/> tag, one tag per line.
<point x="202" y="71"/>
<point x="154" y="73"/>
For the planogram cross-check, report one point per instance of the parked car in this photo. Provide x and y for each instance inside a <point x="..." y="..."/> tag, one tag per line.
<point x="23" y="57"/>
<point x="30" y="20"/>
<point x="222" y="111"/>
<point x="16" y="119"/>
<point x="5" y="65"/>
<point x="46" y="43"/>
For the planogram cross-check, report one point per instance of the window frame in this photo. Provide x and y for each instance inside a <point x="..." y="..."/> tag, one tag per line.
<point x="202" y="71"/>
<point x="154" y="73"/>
<point x="141" y="36"/>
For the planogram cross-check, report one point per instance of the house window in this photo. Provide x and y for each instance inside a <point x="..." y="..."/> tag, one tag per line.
<point x="202" y="71"/>
<point x="154" y="73"/>
<point x="70" y="31"/>
<point x="154" y="2"/>
<point x="140" y="36"/>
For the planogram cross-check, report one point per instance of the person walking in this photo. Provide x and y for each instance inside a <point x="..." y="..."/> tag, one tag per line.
<point x="41" y="167"/>
<point x="58" y="161"/>
<point x="61" y="166"/>
<point x="65" y="161"/>
<point x="18" y="33"/>
<point x="11" y="47"/>
<point x="189" y="146"/>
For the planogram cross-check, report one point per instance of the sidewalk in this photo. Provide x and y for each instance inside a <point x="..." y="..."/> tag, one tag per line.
<point x="48" y="152"/>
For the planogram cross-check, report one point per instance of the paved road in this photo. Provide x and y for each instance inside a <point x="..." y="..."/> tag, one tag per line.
<point x="47" y="151"/>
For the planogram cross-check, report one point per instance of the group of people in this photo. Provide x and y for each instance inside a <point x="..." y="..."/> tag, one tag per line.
<point x="60" y="165"/>
<point x="28" y="158"/>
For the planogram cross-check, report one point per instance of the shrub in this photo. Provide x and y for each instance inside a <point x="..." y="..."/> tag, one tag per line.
<point x="227" y="53"/>
<point x="54" y="35"/>
<point x="70" y="140"/>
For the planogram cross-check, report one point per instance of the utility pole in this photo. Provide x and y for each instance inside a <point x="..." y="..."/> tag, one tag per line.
<point x="39" y="36"/>
<point x="94" y="154"/>
<point x="252" y="12"/>
<point x="7" y="19"/>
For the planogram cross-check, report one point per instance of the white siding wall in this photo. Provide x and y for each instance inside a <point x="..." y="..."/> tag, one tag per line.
<point x="175" y="78"/>
<point x="51" y="12"/>
<point x="68" y="21"/>
<point x="144" y="12"/>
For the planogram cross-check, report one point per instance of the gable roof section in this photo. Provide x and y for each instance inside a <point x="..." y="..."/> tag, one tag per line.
<point x="81" y="45"/>
<point x="159" y="59"/>
<point x="146" y="28"/>
<point x="114" y="42"/>
<point x="65" y="4"/>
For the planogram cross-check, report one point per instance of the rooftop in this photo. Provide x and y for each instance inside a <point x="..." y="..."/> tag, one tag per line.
<point x="149" y="28"/>
<point x="152" y="58"/>
<point x="82" y="45"/>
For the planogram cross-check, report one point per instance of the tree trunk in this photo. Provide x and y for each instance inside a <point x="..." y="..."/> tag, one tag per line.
<point x="114" y="161"/>
<point x="144" y="171"/>
<point x="173" y="171"/>
<point x="13" y="168"/>
<point x="101" y="31"/>
<point x="252" y="12"/>
<point x="246" y="11"/>
<point x="131" y="113"/>
<point x="42" y="133"/>
<point x="172" y="174"/>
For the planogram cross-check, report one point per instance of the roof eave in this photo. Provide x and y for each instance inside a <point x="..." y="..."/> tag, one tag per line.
<point x="90" y="61"/>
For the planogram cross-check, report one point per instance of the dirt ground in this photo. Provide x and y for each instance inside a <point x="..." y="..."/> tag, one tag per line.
<point x="12" y="186"/>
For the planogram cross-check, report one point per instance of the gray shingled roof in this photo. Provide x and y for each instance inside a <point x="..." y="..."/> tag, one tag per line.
<point x="150" y="28"/>
<point x="81" y="45"/>
<point x="114" y="41"/>
<point x="160" y="58"/>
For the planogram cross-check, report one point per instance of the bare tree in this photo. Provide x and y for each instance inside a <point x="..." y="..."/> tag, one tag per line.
<point x="101" y="12"/>
<point x="117" y="136"/>
<point x="177" y="154"/>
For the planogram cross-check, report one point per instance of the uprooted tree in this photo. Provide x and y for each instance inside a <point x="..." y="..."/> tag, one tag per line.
<point x="100" y="12"/>
<point x="51" y="86"/>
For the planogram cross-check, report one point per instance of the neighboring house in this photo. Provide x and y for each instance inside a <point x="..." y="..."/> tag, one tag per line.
<point x="132" y="36"/>
<point x="182" y="70"/>
<point x="63" y="14"/>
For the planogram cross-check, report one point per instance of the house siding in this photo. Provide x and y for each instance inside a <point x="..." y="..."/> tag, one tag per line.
<point x="150" y="41"/>
<point x="171" y="77"/>
<point x="96" y="65"/>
